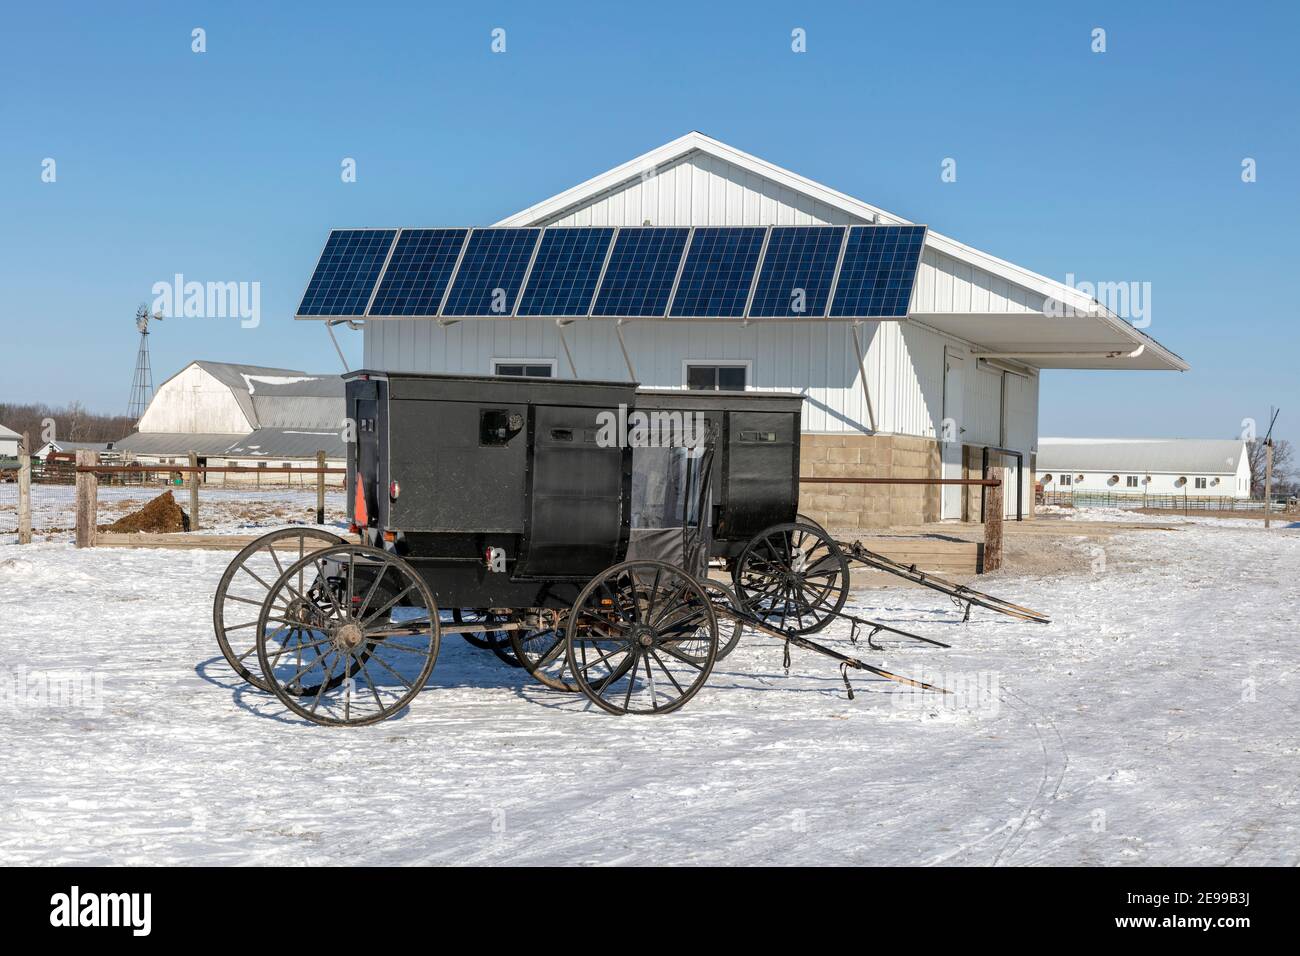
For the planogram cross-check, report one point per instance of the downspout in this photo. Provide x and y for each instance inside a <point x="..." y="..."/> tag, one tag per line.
<point x="618" y="330"/>
<point x="559" y="325"/>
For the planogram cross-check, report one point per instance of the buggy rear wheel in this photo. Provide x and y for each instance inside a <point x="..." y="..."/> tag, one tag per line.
<point x="348" y="635"/>
<point x="792" y="576"/>
<point x="244" y="586"/>
<point x="642" y="638"/>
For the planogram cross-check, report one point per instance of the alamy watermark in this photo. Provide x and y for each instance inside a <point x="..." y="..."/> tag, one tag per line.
<point x="1131" y="301"/>
<point x="975" y="693"/>
<point x="626" y="428"/>
<point x="21" y="689"/>
<point x="209" y="300"/>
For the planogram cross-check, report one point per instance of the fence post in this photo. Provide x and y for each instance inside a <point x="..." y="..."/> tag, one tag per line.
<point x="194" y="492"/>
<point x="993" y="522"/>
<point x="320" y="487"/>
<point x="25" y="490"/>
<point x="87" y="499"/>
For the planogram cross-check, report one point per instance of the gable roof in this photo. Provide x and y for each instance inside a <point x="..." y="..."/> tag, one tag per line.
<point x="8" y="433"/>
<point x="1177" y="456"/>
<point x="1095" y="338"/>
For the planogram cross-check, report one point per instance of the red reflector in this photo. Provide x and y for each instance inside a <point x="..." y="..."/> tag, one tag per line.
<point x="359" y="513"/>
<point x="394" y="489"/>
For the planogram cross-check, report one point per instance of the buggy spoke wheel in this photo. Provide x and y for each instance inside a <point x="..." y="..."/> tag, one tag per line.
<point x="641" y="638"/>
<point x="495" y="641"/>
<point x="544" y="654"/>
<point x="793" y="576"/>
<point x="354" y="642"/>
<point x="244" y="587"/>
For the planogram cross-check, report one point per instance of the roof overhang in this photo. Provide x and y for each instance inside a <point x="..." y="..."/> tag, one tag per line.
<point x="1096" y="341"/>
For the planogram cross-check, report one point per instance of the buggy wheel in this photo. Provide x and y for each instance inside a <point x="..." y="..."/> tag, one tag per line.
<point x="723" y="596"/>
<point x="642" y="638"/>
<point x="793" y="576"/>
<point x="543" y="653"/>
<point x="244" y="586"/>
<point x="348" y="635"/>
<point x="485" y="640"/>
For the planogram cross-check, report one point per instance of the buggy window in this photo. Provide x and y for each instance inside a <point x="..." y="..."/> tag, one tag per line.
<point x="665" y="488"/>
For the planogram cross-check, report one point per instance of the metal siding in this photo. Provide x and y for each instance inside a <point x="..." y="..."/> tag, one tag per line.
<point x="701" y="190"/>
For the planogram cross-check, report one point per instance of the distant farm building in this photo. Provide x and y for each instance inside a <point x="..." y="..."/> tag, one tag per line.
<point x="1196" y="467"/>
<point x="106" y="450"/>
<point x="243" y="415"/>
<point x="9" y="440"/>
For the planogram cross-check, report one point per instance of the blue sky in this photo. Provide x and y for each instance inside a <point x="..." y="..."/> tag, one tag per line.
<point x="225" y="165"/>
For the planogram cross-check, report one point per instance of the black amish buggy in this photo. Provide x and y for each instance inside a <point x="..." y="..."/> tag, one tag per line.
<point x="571" y="527"/>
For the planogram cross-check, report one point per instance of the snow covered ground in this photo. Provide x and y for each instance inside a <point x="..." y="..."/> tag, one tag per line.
<point x="1156" y="721"/>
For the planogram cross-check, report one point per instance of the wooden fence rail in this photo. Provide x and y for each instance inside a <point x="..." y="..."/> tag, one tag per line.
<point x="88" y="469"/>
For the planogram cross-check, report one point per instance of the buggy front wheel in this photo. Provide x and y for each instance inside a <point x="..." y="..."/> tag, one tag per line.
<point x="793" y="576"/>
<point x="642" y="638"/>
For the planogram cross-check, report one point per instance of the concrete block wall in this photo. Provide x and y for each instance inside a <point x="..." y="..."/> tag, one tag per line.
<point x="868" y="456"/>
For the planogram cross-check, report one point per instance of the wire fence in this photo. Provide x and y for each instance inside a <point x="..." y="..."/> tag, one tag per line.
<point x="1185" y="503"/>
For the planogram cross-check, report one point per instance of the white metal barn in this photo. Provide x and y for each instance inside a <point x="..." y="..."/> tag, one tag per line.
<point x="1197" y="467"/>
<point x="878" y="393"/>
<point x="9" y="442"/>
<point x="242" y="415"/>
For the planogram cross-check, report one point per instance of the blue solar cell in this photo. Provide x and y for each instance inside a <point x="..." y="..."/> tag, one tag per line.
<point x="795" y="278"/>
<point x="564" y="274"/>
<point x="878" y="272"/>
<point x="718" y="271"/>
<point x="491" y="272"/>
<point x="346" y="273"/>
<point x="418" y="271"/>
<point x="641" y="271"/>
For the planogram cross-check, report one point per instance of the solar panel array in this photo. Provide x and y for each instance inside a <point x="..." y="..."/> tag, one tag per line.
<point x="702" y="272"/>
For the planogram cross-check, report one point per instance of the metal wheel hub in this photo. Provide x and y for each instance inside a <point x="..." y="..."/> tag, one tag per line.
<point x="643" y="636"/>
<point x="348" y="638"/>
<point x="303" y="613"/>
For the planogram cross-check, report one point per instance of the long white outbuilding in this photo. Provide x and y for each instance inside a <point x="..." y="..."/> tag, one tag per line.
<point x="934" y="394"/>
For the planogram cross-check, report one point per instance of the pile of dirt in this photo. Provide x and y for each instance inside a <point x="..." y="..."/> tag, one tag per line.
<point x="160" y="516"/>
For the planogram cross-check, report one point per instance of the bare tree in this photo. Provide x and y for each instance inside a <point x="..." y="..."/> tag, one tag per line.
<point x="72" y="422"/>
<point x="1282" y="461"/>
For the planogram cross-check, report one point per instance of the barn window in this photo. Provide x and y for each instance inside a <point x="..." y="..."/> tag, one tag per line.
<point x="727" y="377"/>
<point x="1067" y="480"/>
<point x="533" y="368"/>
<point x="1200" y="482"/>
<point x="1130" y="481"/>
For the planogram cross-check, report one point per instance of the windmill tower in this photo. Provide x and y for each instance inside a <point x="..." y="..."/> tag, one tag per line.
<point x="142" y="384"/>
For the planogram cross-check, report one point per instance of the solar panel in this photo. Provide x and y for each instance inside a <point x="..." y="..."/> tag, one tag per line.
<point x="418" y="271"/>
<point x="798" y="267"/>
<point x="641" y="271"/>
<point x="718" y="271"/>
<point x="878" y="272"/>
<point x="564" y="274"/>
<point x="346" y="273"/>
<point x="491" y="272"/>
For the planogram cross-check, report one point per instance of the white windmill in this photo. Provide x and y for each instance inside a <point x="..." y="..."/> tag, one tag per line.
<point x="142" y="384"/>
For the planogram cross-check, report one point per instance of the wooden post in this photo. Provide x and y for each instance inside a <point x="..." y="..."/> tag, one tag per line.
<point x="993" y="521"/>
<point x="87" y="499"/>
<point x="194" y="492"/>
<point x="1268" y="480"/>
<point x="25" y="490"/>
<point x="320" y="487"/>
